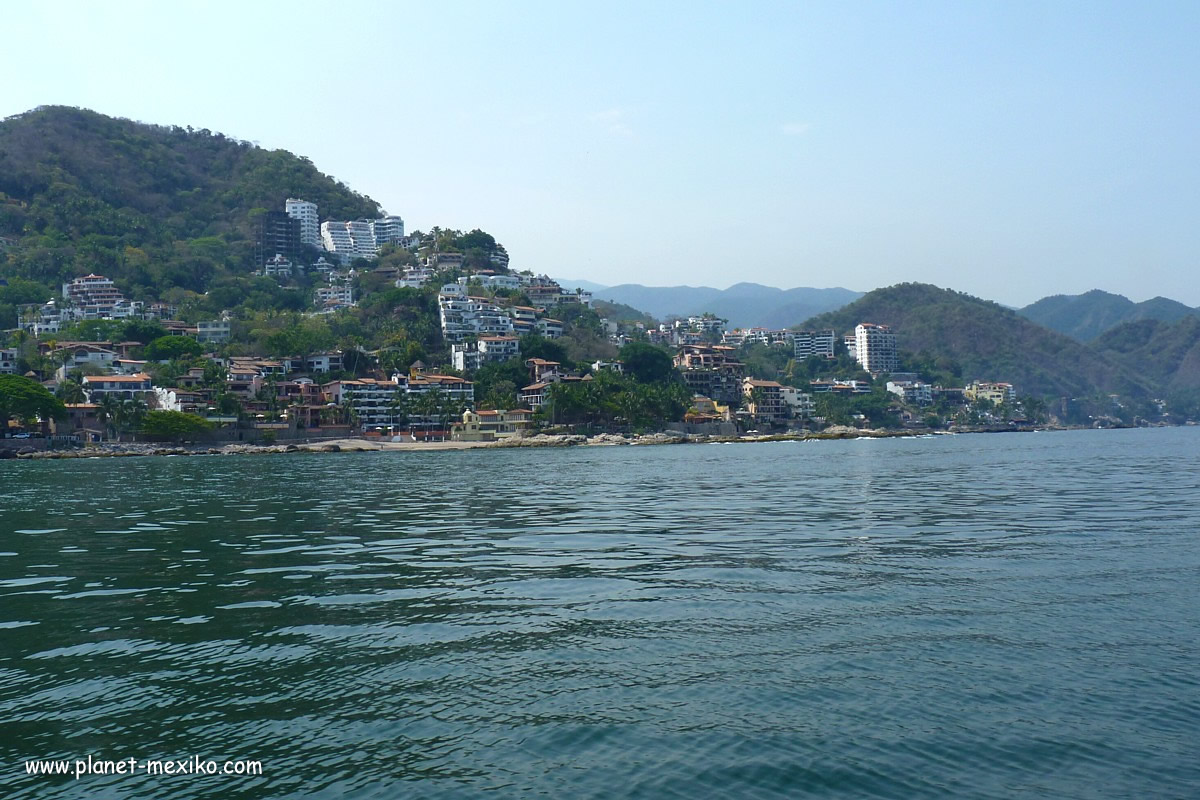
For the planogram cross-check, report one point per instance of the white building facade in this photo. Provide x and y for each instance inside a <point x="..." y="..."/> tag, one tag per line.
<point x="875" y="348"/>
<point x="806" y="344"/>
<point x="310" y="225"/>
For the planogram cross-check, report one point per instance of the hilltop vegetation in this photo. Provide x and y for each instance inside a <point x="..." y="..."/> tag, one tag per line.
<point x="1167" y="354"/>
<point x="979" y="339"/>
<point x="1086" y="316"/>
<point x="154" y="208"/>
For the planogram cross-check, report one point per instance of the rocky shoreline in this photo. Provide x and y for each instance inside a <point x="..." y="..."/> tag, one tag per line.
<point x="125" y="450"/>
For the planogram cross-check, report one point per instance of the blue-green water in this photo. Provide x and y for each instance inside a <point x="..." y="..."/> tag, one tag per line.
<point x="971" y="617"/>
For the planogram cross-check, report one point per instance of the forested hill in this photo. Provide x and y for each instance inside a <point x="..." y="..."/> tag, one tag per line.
<point x="151" y="207"/>
<point x="984" y="341"/>
<point x="1168" y="354"/>
<point x="1086" y="316"/>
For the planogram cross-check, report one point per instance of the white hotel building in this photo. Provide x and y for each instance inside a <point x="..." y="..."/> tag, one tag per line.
<point x="360" y="238"/>
<point x="813" y="343"/>
<point x="875" y="348"/>
<point x="310" y="226"/>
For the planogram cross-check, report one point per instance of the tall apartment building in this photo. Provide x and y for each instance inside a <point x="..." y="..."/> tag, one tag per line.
<point x="387" y="229"/>
<point x="306" y="214"/>
<point x="278" y="234"/>
<point x="464" y="316"/>
<point x="95" y="296"/>
<point x="806" y="344"/>
<point x="875" y="347"/>
<point x="360" y="238"/>
<point x="348" y="240"/>
<point x="487" y="350"/>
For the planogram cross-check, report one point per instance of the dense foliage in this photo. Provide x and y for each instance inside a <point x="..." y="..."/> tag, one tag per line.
<point x="648" y="363"/>
<point x="170" y="348"/>
<point x="1086" y="316"/>
<point x="174" y="426"/>
<point x="154" y="208"/>
<point x="610" y="398"/>
<point x="1167" y="354"/>
<point x="26" y="401"/>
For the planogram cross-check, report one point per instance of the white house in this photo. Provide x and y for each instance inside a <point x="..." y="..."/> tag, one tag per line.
<point x="914" y="392"/>
<point x="799" y="403"/>
<point x="125" y="387"/>
<point x="215" y="331"/>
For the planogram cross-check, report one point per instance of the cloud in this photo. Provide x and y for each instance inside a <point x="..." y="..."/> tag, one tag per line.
<point x="795" y="128"/>
<point x="615" y="121"/>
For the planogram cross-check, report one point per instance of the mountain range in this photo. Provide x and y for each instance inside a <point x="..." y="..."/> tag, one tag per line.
<point x="981" y="340"/>
<point x="743" y="304"/>
<point x="1087" y="316"/>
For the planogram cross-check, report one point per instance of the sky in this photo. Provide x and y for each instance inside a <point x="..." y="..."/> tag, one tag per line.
<point x="1007" y="149"/>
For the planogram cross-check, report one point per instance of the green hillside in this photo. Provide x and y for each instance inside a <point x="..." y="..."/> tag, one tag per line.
<point x="1168" y="354"/>
<point x="154" y="208"/>
<point x="1086" y="316"/>
<point x="984" y="341"/>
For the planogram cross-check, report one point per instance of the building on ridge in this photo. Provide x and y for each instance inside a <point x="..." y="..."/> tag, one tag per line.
<point x="278" y="234"/>
<point x="306" y="214"/>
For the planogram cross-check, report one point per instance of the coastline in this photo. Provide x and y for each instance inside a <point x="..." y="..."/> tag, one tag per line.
<point x="354" y="445"/>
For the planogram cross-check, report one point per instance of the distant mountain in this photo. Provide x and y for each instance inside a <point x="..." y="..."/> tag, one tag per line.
<point x="743" y="304"/>
<point x="1086" y="316"/>
<point x="985" y="341"/>
<point x="575" y="283"/>
<point x="1166" y="353"/>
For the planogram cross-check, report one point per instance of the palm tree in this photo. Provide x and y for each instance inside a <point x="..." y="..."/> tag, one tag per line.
<point x="107" y="411"/>
<point x="424" y="406"/>
<point x="399" y="407"/>
<point x="757" y="395"/>
<point x="129" y="415"/>
<point x="71" y="392"/>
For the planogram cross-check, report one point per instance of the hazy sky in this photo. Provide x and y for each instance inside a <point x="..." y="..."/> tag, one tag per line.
<point x="1006" y="149"/>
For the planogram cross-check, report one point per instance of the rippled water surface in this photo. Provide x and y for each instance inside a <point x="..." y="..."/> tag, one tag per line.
<point x="971" y="617"/>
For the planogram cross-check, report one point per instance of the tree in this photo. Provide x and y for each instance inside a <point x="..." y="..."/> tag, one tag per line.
<point x="174" y="426"/>
<point x="535" y="346"/>
<point x="70" y="391"/>
<point x="647" y="363"/>
<point x="107" y="410"/>
<point x="497" y="384"/>
<point x="399" y="407"/>
<point x="130" y="415"/>
<point x="120" y="415"/>
<point x="93" y="330"/>
<point x="27" y="400"/>
<point x="170" y="348"/>
<point x="144" y="331"/>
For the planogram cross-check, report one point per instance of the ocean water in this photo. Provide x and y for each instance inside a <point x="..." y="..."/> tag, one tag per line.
<point x="986" y="616"/>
